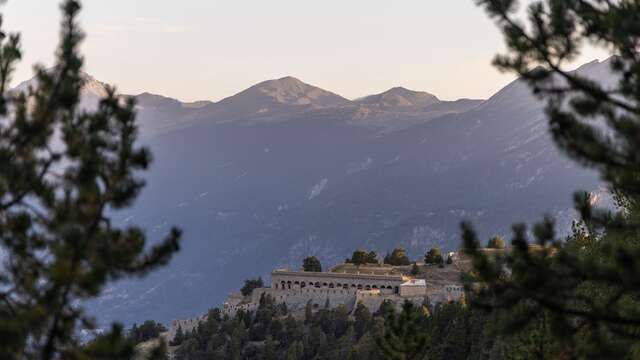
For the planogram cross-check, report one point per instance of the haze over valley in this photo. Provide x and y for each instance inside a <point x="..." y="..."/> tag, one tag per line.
<point x="284" y="169"/>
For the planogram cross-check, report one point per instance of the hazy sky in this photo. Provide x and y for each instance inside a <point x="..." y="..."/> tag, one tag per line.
<point x="210" y="49"/>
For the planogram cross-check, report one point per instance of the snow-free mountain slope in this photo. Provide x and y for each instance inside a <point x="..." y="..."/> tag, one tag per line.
<point x="272" y="98"/>
<point x="254" y="191"/>
<point x="159" y="114"/>
<point x="287" y="90"/>
<point x="92" y="91"/>
<point x="399" y="97"/>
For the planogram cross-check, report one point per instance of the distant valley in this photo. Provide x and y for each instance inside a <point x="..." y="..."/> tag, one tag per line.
<point x="284" y="170"/>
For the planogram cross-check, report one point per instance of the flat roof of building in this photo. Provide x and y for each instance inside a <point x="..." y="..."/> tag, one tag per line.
<point x="335" y="275"/>
<point x="415" y="282"/>
<point x="376" y="269"/>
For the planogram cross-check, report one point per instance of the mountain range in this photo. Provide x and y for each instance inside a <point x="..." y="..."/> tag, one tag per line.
<point x="285" y="170"/>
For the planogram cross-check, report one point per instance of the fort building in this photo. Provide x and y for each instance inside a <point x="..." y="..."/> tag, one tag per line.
<point x="345" y="284"/>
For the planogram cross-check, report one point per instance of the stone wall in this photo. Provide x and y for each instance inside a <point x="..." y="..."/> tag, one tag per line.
<point x="297" y="299"/>
<point x="446" y="293"/>
<point x="293" y="280"/>
<point x="297" y="289"/>
<point x="413" y="291"/>
<point x="186" y="325"/>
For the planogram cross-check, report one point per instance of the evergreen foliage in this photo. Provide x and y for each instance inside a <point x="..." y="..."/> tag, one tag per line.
<point x="496" y="242"/>
<point x="398" y="257"/>
<point x="250" y="285"/>
<point x="415" y="269"/>
<point x="586" y="286"/>
<point x="147" y="331"/>
<point x="404" y="336"/>
<point x="433" y="257"/>
<point x="64" y="171"/>
<point x="448" y="331"/>
<point x="178" y="338"/>
<point x="312" y="264"/>
<point x="362" y="257"/>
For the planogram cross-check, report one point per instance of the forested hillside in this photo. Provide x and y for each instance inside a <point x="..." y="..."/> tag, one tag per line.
<point x="310" y="173"/>
<point x="448" y="331"/>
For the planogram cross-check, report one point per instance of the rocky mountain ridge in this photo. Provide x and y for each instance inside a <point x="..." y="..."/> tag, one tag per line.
<point x="317" y="174"/>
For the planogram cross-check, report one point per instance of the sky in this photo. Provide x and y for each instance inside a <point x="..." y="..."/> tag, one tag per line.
<point x="210" y="49"/>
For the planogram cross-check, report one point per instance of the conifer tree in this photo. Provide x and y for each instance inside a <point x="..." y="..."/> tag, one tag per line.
<point x="308" y="312"/>
<point x="295" y="351"/>
<point x="64" y="171"/>
<point x="250" y="285"/>
<point x="312" y="264"/>
<point x="415" y="269"/>
<point x="398" y="257"/>
<point x="345" y="344"/>
<point x="404" y="337"/>
<point x="363" y="320"/>
<point x="589" y="284"/>
<point x="178" y="337"/>
<point x="269" y="349"/>
<point x="433" y="256"/>
<point x="496" y="242"/>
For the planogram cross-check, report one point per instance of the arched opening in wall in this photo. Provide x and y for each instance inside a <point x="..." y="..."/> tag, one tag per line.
<point x="283" y="285"/>
<point x="374" y="287"/>
<point x="297" y="283"/>
<point x="345" y="286"/>
<point x="303" y="284"/>
<point x="359" y="286"/>
<point x="353" y="285"/>
<point x="324" y="284"/>
<point x="389" y="287"/>
<point x="368" y="287"/>
<point x="276" y="286"/>
<point x="396" y="290"/>
<point x="331" y="286"/>
<point x="318" y="284"/>
<point x="289" y="285"/>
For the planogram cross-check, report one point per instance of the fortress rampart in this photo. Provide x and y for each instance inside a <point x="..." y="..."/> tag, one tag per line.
<point x="345" y="285"/>
<point x="292" y="280"/>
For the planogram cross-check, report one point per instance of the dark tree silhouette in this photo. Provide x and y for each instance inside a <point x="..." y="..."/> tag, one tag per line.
<point x="362" y="257"/>
<point x="404" y="336"/>
<point x="250" y="285"/>
<point x="56" y="200"/>
<point x="587" y="284"/>
<point x="496" y="242"/>
<point x="433" y="256"/>
<point x="398" y="257"/>
<point x="312" y="264"/>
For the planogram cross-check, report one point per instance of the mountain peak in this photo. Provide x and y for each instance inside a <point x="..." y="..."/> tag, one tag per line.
<point x="288" y="80"/>
<point x="400" y="97"/>
<point x="91" y="93"/>
<point x="91" y="86"/>
<point x="287" y="84"/>
<point x="285" y="91"/>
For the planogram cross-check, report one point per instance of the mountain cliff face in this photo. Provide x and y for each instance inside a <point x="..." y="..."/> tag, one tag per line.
<point x="285" y="170"/>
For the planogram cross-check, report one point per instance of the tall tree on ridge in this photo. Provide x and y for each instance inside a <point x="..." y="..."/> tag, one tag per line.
<point x="60" y="245"/>
<point x="311" y="264"/>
